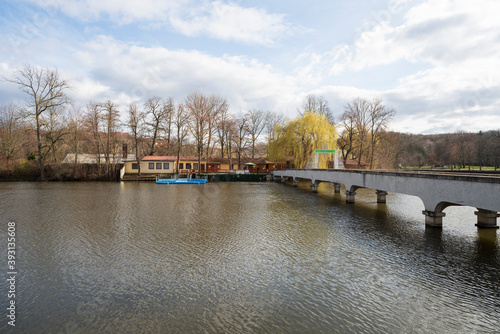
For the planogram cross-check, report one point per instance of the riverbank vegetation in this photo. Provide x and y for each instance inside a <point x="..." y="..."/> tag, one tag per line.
<point x="36" y="136"/>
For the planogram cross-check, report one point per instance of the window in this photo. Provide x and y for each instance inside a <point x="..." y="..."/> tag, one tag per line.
<point x="158" y="165"/>
<point x="195" y="166"/>
<point x="181" y="165"/>
<point x="166" y="165"/>
<point x="151" y="165"/>
<point x="135" y="166"/>
<point x="188" y="166"/>
<point x="202" y="166"/>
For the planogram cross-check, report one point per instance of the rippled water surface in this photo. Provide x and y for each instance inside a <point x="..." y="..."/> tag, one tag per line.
<point x="242" y="258"/>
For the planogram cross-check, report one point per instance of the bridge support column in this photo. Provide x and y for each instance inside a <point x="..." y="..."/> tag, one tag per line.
<point x="486" y="218"/>
<point x="283" y="179"/>
<point x="295" y="182"/>
<point x="433" y="219"/>
<point x="349" y="196"/>
<point x="381" y="196"/>
<point x="337" y="188"/>
<point x="314" y="186"/>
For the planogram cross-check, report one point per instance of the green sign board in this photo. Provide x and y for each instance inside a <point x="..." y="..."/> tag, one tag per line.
<point x="325" y="151"/>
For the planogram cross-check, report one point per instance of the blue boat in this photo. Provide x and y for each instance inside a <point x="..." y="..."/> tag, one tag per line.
<point x="181" y="181"/>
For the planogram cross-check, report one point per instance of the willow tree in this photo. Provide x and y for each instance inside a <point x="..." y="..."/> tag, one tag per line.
<point x="300" y="137"/>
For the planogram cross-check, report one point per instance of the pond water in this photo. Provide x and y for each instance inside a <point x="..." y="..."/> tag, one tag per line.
<point x="241" y="258"/>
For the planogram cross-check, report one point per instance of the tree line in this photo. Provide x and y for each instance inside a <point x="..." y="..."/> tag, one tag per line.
<point x="459" y="150"/>
<point x="49" y="126"/>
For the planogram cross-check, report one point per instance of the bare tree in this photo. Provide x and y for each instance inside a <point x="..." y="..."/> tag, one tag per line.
<point x="155" y="119"/>
<point x="155" y="112"/>
<point x="94" y="123"/>
<point x="75" y="121"/>
<point x="256" y="124"/>
<point x="317" y="104"/>
<point x="111" y="117"/>
<point x="168" y="114"/>
<point x="198" y="107"/>
<point x="241" y="137"/>
<point x="379" y="117"/>
<point x="360" y="112"/>
<point x="273" y="121"/>
<point x="181" y="123"/>
<point x="364" y="122"/>
<point x="54" y="130"/>
<point x="11" y="138"/>
<point x="136" y="126"/>
<point x="346" y="141"/>
<point x="217" y="106"/>
<point x="223" y="127"/>
<point x="231" y="134"/>
<point x="46" y="89"/>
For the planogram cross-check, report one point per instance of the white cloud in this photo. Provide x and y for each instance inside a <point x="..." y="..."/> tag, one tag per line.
<point x="435" y="62"/>
<point x="232" y="22"/>
<point x="121" y="11"/>
<point x="438" y="32"/>
<point x="455" y="44"/>
<point x="217" y="19"/>
<point x="127" y="72"/>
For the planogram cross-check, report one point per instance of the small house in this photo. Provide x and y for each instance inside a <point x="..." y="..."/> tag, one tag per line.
<point x="151" y="165"/>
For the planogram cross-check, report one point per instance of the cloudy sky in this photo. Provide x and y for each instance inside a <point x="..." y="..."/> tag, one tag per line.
<point x="435" y="61"/>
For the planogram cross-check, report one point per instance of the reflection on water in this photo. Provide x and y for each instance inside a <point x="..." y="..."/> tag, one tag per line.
<point x="243" y="258"/>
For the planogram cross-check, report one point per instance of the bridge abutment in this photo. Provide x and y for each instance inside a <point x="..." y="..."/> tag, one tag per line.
<point x="486" y="218"/>
<point x="433" y="219"/>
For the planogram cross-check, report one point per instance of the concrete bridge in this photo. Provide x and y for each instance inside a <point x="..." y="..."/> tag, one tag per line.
<point x="437" y="190"/>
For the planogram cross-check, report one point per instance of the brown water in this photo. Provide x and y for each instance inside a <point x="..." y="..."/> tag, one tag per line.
<point x="242" y="258"/>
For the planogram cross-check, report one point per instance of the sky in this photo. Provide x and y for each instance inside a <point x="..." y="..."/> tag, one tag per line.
<point x="436" y="62"/>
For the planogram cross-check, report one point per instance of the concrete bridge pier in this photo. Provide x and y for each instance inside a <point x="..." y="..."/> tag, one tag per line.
<point x="433" y="218"/>
<point x="486" y="218"/>
<point x="337" y="187"/>
<point x="314" y="186"/>
<point x="381" y="196"/>
<point x="283" y="179"/>
<point x="295" y="182"/>
<point x="350" y="196"/>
